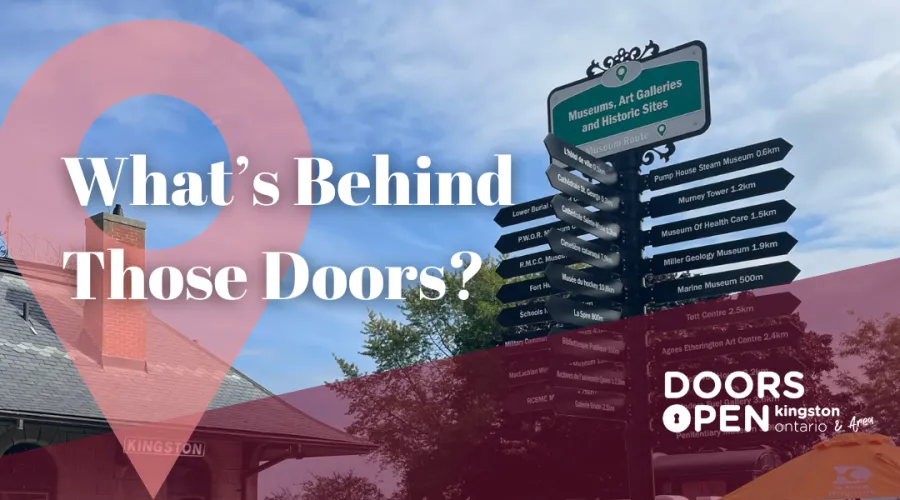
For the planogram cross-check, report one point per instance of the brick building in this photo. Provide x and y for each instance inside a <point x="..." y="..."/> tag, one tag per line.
<point x="55" y="442"/>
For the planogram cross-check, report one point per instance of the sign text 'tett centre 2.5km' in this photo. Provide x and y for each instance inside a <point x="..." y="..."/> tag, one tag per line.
<point x="635" y="103"/>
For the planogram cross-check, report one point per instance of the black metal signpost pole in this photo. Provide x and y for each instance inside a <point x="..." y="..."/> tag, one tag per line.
<point x="638" y="441"/>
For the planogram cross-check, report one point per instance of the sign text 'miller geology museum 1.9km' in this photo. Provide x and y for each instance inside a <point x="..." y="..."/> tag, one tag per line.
<point x="640" y="103"/>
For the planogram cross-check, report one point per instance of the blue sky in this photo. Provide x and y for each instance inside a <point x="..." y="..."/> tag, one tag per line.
<point x="462" y="81"/>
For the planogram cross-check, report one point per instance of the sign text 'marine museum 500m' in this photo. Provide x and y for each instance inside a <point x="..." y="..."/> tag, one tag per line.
<point x="636" y="103"/>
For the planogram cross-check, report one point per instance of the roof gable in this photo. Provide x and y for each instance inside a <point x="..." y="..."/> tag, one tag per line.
<point x="38" y="376"/>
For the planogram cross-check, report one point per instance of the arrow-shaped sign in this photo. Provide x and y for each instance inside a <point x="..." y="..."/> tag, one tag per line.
<point x="576" y="313"/>
<point x="571" y="156"/>
<point x="524" y="212"/>
<point x="731" y="221"/>
<point x="582" y="190"/>
<point x="523" y="315"/>
<point x="771" y="181"/>
<point x="530" y="331"/>
<point x="585" y="220"/>
<point x="754" y="155"/>
<point x="527" y="314"/>
<point x="593" y="342"/>
<point x="544" y="368"/>
<point x="532" y="263"/>
<point x="526" y="290"/>
<point x="720" y="254"/>
<point x="590" y="404"/>
<point x="719" y="312"/>
<point x="542" y="286"/>
<point x="752" y="339"/>
<point x="574" y="249"/>
<point x="585" y="283"/>
<point x="568" y="401"/>
<point x="533" y="237"/>
<point x="726" y="282"/>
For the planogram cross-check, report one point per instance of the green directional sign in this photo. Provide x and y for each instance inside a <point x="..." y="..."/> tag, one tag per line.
<point x="636" y="103"/>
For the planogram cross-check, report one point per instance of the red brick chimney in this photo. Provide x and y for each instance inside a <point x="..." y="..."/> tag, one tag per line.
<point x="117" y="329"/>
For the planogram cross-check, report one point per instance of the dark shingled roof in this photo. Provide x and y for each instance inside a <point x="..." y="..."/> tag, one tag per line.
<point x="38" y="377"/>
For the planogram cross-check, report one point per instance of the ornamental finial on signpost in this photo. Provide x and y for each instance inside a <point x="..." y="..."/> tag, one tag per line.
<point x="635" y="54"/>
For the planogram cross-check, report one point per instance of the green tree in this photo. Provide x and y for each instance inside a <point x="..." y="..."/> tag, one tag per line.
<point x="874" y="345"/>
<point x="338" y="486"/>
<point x="434" y="404"/>
<point x="435" y="329"/>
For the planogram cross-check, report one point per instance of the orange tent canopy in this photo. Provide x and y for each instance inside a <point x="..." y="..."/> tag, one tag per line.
<point x="853" y="465"/>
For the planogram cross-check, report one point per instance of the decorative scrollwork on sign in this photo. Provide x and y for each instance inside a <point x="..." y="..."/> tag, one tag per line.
<point x="635" y="54"/>
<point x="652" y="154"/>
<point x="4" y="252"/>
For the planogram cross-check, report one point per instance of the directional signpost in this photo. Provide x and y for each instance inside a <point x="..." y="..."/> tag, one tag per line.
<point x="532" y="263"/>
<point x="524" y="212"/>
<point x="741" y="188"/>
<point x="571" y="312"/>
<point x="739" y="280"/>
<point x="591" y="374"/>
<point x="573" y="249"/>
<point x="584" y="220"/>
<point x="713" y="313"/>
<point x="754" y="339"/>
<point x="569" y="401"/>
<point x="523" y="315"/>
<point x="533" y="237"/>
<point x="584" y="282"/>
<point x="754" y="155"/>
<point x="602" y="131"/>
<point x="732" y="221"/>
<point x="582" y="190"/>
<point x="593" y="283"/>
<point x="573" y="157"/>
<point x="731" y="252"/>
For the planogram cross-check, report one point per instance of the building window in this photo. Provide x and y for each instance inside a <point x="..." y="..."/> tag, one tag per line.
<point x="27" y="472"/>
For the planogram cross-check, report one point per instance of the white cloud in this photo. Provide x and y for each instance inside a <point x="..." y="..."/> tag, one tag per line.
<point x="484" y="70"/>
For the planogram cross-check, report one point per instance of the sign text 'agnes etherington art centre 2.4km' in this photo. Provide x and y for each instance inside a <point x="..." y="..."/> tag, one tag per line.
<point x="582" y="307"/>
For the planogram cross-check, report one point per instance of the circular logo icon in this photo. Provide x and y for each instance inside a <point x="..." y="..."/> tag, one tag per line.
<point x="676" y="418"/>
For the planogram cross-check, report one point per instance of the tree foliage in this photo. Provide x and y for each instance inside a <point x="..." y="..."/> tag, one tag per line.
<point x="876" y="345"/>
<point x="338" y="486"/>
<point x="434" y="403"/>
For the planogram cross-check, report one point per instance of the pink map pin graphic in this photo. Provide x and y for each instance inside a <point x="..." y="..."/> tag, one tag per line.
<point x="257" y="118"/>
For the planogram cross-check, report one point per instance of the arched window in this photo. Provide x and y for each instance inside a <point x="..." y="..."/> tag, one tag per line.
<point x="27" y="472"/>
<point x="190" y="479"/>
